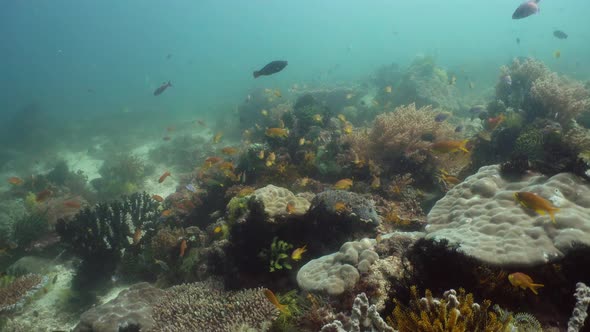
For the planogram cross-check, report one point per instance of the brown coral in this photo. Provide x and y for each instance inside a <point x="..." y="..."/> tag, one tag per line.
<point x="16" y="293"/>
<point x="165" y="242"/>
<point x="207" y="307"/>
<point x="407" y="132"/>
<point x="560" y="97"/>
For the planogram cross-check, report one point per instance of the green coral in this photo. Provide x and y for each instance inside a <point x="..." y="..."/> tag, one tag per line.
<point x="279" y="254"/>
<point x="530" y="143"/>
<point x="236" y="207"/>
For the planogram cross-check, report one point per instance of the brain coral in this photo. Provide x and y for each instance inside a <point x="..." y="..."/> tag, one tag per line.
<point x="482" y="217"/>
<point x="275" y="199"/>
<point x="338" y="272"/>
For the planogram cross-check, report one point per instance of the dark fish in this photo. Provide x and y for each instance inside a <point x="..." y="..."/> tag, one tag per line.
<point x="440" y="117"/>
<point x="162" y="88"/>
<point x="458" y="129"/>
<point x="518" y="41"/>
<point x="168" y="56"/>
<point x="526" y="9"/>
<point x="271" y="68"/>
<point x="476" y="110"/>
<point x="560" y="34"/>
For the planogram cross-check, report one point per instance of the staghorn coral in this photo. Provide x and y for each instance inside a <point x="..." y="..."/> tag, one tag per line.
<point x="204" y="306"/>
<point x="14" y="295"/>
<point x="455" y="311"/>
<point x="559" y="97"/>
<point x="364" y="318"/>
<point x="516" y="95"/>
<point x="580" y="312"/>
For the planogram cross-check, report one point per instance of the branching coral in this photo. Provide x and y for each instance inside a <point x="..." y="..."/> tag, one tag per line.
<point x="15" y="294"/>
<point x="580" y="313"/>
<point x="364" y="318"/>
<point x="279" y="254"/>
<point x="456" y="311"/>
<point x="206" y="307"/>
<point x="559" y="97"/>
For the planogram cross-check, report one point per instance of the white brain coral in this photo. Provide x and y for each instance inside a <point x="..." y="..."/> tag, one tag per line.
<point x="275" y="200"/>
<point x="483" y="218"/>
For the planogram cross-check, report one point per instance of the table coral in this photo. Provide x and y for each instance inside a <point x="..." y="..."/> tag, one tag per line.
<point x="482" y="217"/>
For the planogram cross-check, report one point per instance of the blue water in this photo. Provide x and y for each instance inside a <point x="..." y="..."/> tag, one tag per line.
<point x="80" y="60"/>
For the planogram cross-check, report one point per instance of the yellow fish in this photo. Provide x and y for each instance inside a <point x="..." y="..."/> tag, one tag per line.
<point x="270" y="160"/>
<point x="388" y="89"/>
<point x="301" y="141"/>
<point x="261" y="154"/>
<point x="317" y="118"/>
<point x="296" y="255"/>
<point x="341" y="117"/>
<point x="347" y="129"/>
<point x="217" y="137"/>
<point x="340" y="207"/>
<point x="537" y="203"/>
<point x="449" y="146"/>
<point x="343" y="184"/>
<point x="264" y="112"/>
<point x="217" y="230"/>
<point x="278" y="93"/>
<point x="277" y="132"/>
<point x="519" y="279"/>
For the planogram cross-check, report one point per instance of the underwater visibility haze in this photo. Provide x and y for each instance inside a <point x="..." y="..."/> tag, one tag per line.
<point x="308" y="165"/>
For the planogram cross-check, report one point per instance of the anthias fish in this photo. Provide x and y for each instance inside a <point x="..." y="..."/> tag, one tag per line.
<point x="526" y="9"/>
<point x="162" y="88"/>
<point x="164" y="176"/>
<point x="271" y="68"/>
<point x="519" y="279"/>
<point x="560" y="34"/>
<point x="537" y="203"/>
<point x="449" y="146"/>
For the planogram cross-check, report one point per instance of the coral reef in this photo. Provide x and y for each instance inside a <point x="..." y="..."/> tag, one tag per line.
<point x="206" y="307"/>
<point x="455" y="311"/>
<point x="358" y="209"/>
<point x="363" y="318"/>
<point x="14" y="295"/>
<point x="580" y="312"/>
<point x="482" y="216"/>
<point x="30" y="227"/>
<point x="121" y="175"/>
<point x="279" y="202"/>
<point x="130" y="310"/>
<point x="10" y="212"/>
<point x="340" y="271"/>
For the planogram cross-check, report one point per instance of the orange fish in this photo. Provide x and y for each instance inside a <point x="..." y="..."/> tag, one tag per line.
<point x="163" y="177"/>
<point x="535" y="202"/>
<point x="183" y="247"/>
<point x="449" y="146"/>
<point x="166" y="213"/>
<point x="277" y="132"/>
<point x="273" y="299"/>
<point x="493" y="123"/>
<point x="158" y="198"/>
<point x="290" y="208"/>
<point x="228" y="150"/>
<point x="339" y="207"/>
<point x="137" y="236"/>
<point x="43" y="195"/>
<point x="212" y="160"/>
<point x="343" y="184"/>
<point x="217" y="230"/>
<point x="72" y="204"/>
<point x="519" y="279"/>
<point x="15" y="181"/>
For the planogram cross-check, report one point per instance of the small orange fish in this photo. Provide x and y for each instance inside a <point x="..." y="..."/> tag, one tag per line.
<point x="137" y="236"/>
<point x="493" y="123"/>
<point x="228" y="150"/>
<point x="15" y="181"/>
<point x="277" y="132"/>
<point x="297" y="253"/>
<point x="449" y="146"/>
<point x="273" y="299"/>
<point x="166" y="213"/>
<point x="217" y="137"/>
<point x="290" y="208"/>
<point x="519" y="279"/>
<point x="43" y="195"/>
<point x="158" y="198"/>
<point x="212" y="160"/>
<point x="261" y="154"/>
<point x="339" y="207"/>
<point x="73" y="204"/>
<point x="183" y="247"/>
<point x="164" y="176"/>
<point x="343" y="184"/>
<point x="535" y="202"/>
